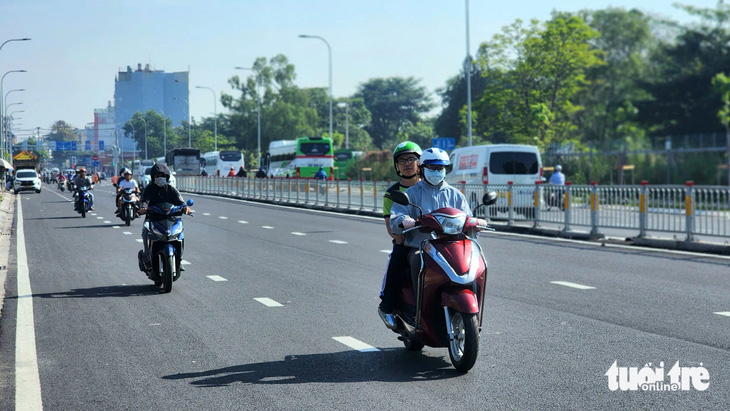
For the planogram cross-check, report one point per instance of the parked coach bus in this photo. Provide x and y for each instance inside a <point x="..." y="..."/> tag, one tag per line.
<point x="300" y="158"/>
<point x="219" y="163"/>
<point x="184" y="161"/>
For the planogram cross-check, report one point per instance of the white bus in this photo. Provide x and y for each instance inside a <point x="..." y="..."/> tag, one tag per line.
<point x="220" y="162"/>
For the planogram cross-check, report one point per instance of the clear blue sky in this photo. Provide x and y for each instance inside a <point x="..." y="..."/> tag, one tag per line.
<point x="78" y="46"/>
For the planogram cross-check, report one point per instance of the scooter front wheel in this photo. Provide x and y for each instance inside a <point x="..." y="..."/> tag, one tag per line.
<point x="168" y="268"/>
<point x="464" y="348"/>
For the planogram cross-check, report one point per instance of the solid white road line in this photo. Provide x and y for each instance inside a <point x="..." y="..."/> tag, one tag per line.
<point x="216" y="278"/>
<point x="243" y="222"/>
<point x="338" y="241"/>
<point x="573" y="285"/>
<point x="725" y="313"/>
<point x="355" y="344"/>
<point x="297" y="233"/>
<point x="27" y="379"/>
<point x="268" y="227"/>
<point x="268" y="302"/>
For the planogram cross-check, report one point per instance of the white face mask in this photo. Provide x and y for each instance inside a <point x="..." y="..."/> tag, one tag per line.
<point x="161" y="181"/>
<point x="434" y="177"/>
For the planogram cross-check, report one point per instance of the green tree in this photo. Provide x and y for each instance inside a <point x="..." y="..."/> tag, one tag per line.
<point x="451" y="122"/>
<point x="158" y="128"/>
<point x="533" y="74"/>
<point x="287" y="112"/>
<point x="393" y="103"/>
<point x="354" y="117"/>
<point x="680" y="83"/>
<point x="62" y="131"/>
<point x="609" y="100"/>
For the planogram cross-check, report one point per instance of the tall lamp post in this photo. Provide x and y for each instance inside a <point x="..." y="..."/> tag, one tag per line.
<point x="7" y="134"/>
<point x="347" y="122"/>
<point x="188" y="103"/>
<point x="258" y="115"/>
<point x="215" y="117"/>
<point x="2" y="113"/>
<point x="329" y="53"/>
<point x="6" y="111"/>
<point x="467" y="69"/>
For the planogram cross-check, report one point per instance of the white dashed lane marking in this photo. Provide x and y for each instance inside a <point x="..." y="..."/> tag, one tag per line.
<point x="127" y="233"/>
<point x="268" y="227"/>
<point x="107" y="222"/>
<point x="99" y="218"/>
<point x="139" y="240"/>
<point x="216" y="278"/>
<point x="297" y="233"/>
<point x="355" y="344"/>
<point x="268" y="302"/>
<point x="243" y="222"/>
<point x="206" y="213"/>
<point x="725" y="313"/>
<point x="223" y="217"/>
<point x="185" y="262"/>
<point x="385" y="251"/>
<point x="573" y="285"/>
<point x="338" y="241"/>
<point x="115" y="226"/>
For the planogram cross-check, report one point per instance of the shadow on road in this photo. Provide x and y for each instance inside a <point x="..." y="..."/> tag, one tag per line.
<point x="108" y="291"/>
<point x="392" y="364"/>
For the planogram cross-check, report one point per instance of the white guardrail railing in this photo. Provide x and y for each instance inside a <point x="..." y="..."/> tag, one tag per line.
<point x="687" y="210"/>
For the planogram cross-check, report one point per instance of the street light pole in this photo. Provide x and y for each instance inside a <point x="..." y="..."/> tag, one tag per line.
<point x="188" y="103"/>
<point x="347" y="122"/>
<point x="258" y="114"/>
<point x="329" y="53"/>
<point x="468" y="76"/>
<point x="2" y="113"/>
<point x="215" y="117"/>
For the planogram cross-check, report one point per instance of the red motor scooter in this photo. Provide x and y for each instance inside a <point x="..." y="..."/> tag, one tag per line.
<point x="446" y="309"/>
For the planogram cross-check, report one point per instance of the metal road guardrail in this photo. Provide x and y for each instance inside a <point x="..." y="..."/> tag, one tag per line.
<point x="686" y="211"/>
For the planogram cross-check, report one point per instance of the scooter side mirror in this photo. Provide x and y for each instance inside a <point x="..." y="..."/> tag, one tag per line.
<point x="400" y="197"/>
<point x="489" y="198"/>
<point x="189" y="202"/>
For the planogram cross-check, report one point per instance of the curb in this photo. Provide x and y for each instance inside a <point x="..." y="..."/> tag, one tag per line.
<point x="7" y="213"/>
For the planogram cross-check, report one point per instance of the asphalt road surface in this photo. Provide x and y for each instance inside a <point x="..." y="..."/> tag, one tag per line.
<point x="277" y="310"/>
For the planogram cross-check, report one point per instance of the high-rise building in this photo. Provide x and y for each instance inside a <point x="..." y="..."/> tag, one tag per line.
<point x="145" y="89"/>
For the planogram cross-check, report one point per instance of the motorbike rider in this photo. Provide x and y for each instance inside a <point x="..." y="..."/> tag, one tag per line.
<point x="159" y="191"/>
<point x="405" y="161"/>
<point x="558" y="178"/>
<point x="127" y="182"/>
<point x="81" y="180"/>
<point x="431" y="193"/>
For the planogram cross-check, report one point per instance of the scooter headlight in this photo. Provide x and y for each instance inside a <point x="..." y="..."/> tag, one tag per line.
<point x="451" y="224"/>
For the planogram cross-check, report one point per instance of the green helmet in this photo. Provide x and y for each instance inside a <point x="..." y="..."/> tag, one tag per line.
<point x="406" y="147"/>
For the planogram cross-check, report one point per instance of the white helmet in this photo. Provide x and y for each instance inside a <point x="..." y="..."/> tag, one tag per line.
<point x="434" y="156"/>
<point x="558" y="167"/>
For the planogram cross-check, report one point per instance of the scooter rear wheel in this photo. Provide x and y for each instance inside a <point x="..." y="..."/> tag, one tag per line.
<point x="464" y="348"/>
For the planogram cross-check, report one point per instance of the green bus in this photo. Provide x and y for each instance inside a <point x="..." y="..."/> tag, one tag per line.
<point x="344" y="158"/>
<point x="300" y="158"/>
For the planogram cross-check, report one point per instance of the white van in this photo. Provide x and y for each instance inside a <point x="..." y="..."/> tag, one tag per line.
<point x="498" y="164"/>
